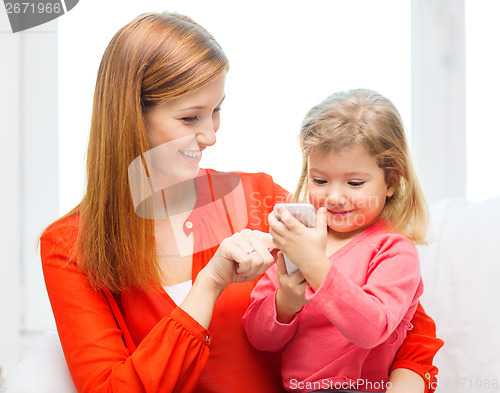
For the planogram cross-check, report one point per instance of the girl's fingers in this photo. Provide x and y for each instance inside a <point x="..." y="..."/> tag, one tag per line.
<point x="298" y="278"/>
<point x="321" y="219"/>
<point x="280" y="263"/>
<point x="276" y="225"/>
<point x="287" y="219"/>
<point x="277" y="238"/>
<point x="274" y="252"/>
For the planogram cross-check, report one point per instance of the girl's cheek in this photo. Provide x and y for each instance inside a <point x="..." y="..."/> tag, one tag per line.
<point x="313" y="200"/>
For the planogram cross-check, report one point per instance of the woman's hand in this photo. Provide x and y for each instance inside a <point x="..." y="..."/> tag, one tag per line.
<point x="242" y="257"/>
<point x="291" y="295"/>
<point x="405" y="381"/>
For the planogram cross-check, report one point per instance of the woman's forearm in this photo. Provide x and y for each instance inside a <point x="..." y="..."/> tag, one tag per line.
<point x="242" y="257"/>
<point x="200" y="301"/>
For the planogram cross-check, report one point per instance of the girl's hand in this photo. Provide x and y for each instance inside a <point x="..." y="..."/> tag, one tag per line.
<point x="291" y="295"/>
<point x="242" y="257"/>
<point x="306" y="247"/>
<point x="298" y="242"/>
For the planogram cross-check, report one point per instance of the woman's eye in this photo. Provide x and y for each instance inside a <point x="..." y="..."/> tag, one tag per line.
<point x="356" y="183"/>
<point x="217" y="109"/>
<point x="319" y="181"/>
<point x="190" y="119"/>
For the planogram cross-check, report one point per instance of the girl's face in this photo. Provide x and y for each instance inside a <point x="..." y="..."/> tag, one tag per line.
<point x="351" y="186"/>
<point x="179" y="130"/>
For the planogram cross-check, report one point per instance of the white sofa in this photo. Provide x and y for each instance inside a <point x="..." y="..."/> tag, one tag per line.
<point x="42" y="370"/>
<point x="461" y="269"/>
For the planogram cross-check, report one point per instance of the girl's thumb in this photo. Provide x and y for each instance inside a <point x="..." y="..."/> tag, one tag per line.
<point x="321" y="218"/>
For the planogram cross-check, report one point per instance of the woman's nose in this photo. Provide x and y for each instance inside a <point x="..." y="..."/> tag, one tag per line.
<point x="206" y="135"/>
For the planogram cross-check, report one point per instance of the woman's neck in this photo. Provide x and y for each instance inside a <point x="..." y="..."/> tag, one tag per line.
<point x="179" y="198"/>
<point x="174" y="247"/>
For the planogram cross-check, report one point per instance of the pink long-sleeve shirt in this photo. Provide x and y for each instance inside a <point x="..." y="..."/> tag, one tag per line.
<point x="349" y="333"/>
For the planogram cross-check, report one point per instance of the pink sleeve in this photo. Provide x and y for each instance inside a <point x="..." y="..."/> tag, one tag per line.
<point x="263" y="330"/>
<point x="368" y="314"/>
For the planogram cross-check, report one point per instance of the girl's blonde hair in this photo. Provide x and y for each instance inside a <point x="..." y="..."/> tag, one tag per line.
<point x="361" y="116"/>
<point x="154" y="58"/>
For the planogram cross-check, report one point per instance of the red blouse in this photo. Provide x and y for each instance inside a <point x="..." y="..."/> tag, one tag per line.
<point x="142" y="342"/>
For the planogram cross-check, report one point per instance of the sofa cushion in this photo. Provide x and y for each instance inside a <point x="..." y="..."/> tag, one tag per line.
<point x="461" y="271"/>
<point x="42" y="370"/>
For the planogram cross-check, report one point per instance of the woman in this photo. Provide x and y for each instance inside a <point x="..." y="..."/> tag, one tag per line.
<point x="151" y="221"/>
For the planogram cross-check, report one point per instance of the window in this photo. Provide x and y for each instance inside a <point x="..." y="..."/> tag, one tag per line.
<point x="482" y="98"/>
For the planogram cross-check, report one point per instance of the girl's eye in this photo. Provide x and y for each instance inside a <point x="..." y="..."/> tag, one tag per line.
<point x="217" y="109"/>
<point x="319" y="181"/>
<point x="190" y="119"/>
<point x="356" y="183"/>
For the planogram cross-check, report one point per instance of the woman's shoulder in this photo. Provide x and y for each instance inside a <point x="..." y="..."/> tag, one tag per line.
<point x="64" y="225"/>
<point x="60" y="235"/>
<point x="259" y="182"/>
<point x="250" y="176"/>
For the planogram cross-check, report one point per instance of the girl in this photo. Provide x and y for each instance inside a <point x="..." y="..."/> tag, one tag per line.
<point x="341" y="318"/>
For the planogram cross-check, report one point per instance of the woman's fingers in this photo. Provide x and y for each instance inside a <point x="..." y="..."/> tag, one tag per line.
<point x="260" y="260"/>
<point x="249" y="251"/>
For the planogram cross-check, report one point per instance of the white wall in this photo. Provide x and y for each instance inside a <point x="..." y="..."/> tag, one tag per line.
<point x="39" y="163"/>
<point x="29" y="170"/>
<point x="482" y="99"/>
<point x="438" y="96"/>
<point x="10" y="206"/>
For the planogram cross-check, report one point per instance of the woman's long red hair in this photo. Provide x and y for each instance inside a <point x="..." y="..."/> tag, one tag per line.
<point x="154" y="58"/>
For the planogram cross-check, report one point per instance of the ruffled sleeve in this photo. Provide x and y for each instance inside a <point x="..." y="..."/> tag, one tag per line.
<point x="419" y="348"/>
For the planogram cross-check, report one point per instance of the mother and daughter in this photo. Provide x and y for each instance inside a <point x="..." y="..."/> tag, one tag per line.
<point x="163" y="278"/>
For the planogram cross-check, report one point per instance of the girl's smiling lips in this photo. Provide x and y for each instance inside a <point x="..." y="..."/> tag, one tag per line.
<point x="339" y="212"/>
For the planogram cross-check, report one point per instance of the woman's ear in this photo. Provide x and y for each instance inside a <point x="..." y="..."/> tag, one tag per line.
<point x="392" y="180"/>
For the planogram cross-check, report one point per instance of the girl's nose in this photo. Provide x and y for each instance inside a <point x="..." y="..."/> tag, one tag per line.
<point x="336" y="198"/>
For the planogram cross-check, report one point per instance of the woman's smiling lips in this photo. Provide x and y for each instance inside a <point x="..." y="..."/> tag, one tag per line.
<point x="192" y="157"/>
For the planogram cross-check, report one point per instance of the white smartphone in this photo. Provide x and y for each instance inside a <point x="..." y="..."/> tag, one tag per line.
<point x="305" y="213"/>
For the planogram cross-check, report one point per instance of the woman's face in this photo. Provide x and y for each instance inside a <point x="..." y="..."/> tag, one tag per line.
<point x="179" y="130"/>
